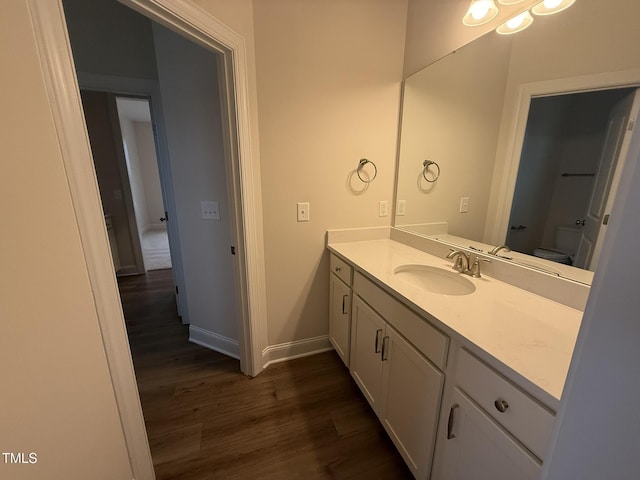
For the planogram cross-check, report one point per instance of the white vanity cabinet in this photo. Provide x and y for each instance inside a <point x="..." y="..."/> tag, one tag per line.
<point x="494" y="430"/>
<point x="340" y="306"/>
<point x="452" y="385"/>
<point x="402" y="386"/>
<point x="478" y="449"/>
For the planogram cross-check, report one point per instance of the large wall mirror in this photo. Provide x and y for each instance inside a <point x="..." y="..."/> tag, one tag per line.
<point x="528" y="134"/>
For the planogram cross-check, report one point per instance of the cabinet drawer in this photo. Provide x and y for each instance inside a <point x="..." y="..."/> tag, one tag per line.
<point x="340" y="268"/>
<point x="431" y="342"/>
<point x="523" y="417"/>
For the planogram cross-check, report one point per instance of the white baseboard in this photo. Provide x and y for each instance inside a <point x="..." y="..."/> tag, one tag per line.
<point x="154" y="227"/>
<point x="214" y="341"/>
<point x="298" y="348"/>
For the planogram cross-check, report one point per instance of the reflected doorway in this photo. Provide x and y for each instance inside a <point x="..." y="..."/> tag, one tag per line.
<point x="136" y="129"/>
<point x="573" y="146"/>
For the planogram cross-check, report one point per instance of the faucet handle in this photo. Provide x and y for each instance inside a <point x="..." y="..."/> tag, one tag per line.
<point x="475" y="269"/>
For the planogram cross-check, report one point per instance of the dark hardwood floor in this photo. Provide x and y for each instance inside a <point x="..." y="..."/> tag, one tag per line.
<point x="304" y="418"/>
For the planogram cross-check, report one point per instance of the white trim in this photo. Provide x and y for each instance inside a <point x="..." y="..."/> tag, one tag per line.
<point x="506" y="182"/>
<point x="199" y="26"/>
<point x="214" y="341"/>
<point x="298" y="348"/>
<point x="56" y="62"/>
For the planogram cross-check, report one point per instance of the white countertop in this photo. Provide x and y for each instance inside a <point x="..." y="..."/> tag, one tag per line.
<point x="532" y="336"/>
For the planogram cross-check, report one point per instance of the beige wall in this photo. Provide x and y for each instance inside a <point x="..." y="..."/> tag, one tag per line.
<point x="328" y="86"/>
<point x="57" y="397"/>
<point x="434" y="28"/>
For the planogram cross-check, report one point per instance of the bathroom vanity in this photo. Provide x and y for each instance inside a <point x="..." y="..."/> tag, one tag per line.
<point x="465" y="374"/>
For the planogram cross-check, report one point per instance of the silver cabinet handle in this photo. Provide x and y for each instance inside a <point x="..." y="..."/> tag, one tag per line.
<point x="344" y="304"/>
<point x="377" y="348"/>
<point x="385" y="342"/>
<point x="450" y="433"/>
<point x="501" y="405"/>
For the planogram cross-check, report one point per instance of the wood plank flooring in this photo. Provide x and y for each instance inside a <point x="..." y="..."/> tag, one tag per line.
<point x="304" y="418"/>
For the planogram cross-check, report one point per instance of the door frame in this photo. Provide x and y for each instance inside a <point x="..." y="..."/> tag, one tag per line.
<point x="505" y="175"/>
<point x="63" y="95"/>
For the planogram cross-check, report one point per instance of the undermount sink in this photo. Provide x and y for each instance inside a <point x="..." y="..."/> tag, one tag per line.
<point x="435" y="279"/>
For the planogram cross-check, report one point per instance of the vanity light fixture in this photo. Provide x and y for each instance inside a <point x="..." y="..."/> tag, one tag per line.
<point x="509" y="2"/>
<point x="516" y="24"/>
<point x="549" y="7"/>
<point x="480" y="12"/>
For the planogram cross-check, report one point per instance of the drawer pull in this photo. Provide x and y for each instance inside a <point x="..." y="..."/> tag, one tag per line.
<point x="377" y="347"/>
<point x="450" y="433"/>
<point x="385" y="341"/>
<point x="344" y="304"/>
<point x="501" y="405"/>
<point x="338" y="269"/>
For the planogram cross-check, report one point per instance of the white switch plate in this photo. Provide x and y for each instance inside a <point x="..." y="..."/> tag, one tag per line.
<point x="464" y="204"/>
<point x="303" y="212"/>
<point x="402" y="208"/>
<point x="383" y="208"/>
<point x="210" y="210"/>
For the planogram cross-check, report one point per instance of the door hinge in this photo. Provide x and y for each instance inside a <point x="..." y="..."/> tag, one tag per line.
<point x="233" y="250"/>
<point x="631" y="124"/>
<point x="177" y="292"/>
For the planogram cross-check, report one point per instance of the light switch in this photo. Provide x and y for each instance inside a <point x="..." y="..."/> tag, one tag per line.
<point x="210" y="210"/>
<point x="303" y="212"/>
<point x="464" y="204"/>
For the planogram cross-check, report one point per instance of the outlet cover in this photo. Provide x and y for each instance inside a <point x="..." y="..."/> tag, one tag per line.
<point x="303" y="212"/>
<point x="402" y="208"/>
<point x="383" y="208"/>
<point x="210" y="210"/>
<point x="464" y="204"/>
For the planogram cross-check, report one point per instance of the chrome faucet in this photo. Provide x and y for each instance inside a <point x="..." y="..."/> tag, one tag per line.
<point x="475" y="268"/>
<point x="497" y="248"/>
<point x="462" y="260"/>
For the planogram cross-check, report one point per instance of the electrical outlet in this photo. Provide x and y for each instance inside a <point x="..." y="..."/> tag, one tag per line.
<point x="383" y="208"/>
<point x="402" y="208"/>
<point x="303" y="212"/>
<point x="210" y="210"/>
<point x="464" y="204"/>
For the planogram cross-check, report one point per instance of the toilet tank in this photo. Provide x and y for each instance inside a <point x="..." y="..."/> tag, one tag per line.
<point x="567" y="238"/>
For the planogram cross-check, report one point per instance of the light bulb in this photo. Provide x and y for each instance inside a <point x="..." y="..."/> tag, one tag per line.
<point x="479" y="10"/>
<point x="549" y="7"/>
<point x="515" y="22"/>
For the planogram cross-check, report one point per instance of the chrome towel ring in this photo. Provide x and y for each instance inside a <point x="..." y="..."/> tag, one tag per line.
<point x="426" y="164"/>
<point x="361" y="164"/>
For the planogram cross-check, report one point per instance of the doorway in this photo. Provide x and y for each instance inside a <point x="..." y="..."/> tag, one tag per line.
<point x="134" y="116"/>
<point x="573" y="145"/>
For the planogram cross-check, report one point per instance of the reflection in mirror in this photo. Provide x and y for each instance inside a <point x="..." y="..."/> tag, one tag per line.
<point x="570" y="152"/>
<point x="502" y="103"/>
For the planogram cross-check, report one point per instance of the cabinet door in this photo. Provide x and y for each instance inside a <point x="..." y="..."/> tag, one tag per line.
<point x="367" y="331"/>
<point x="411" y="401"/>
<point x="476" y="448"/>
<point x="339" y="317"/>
